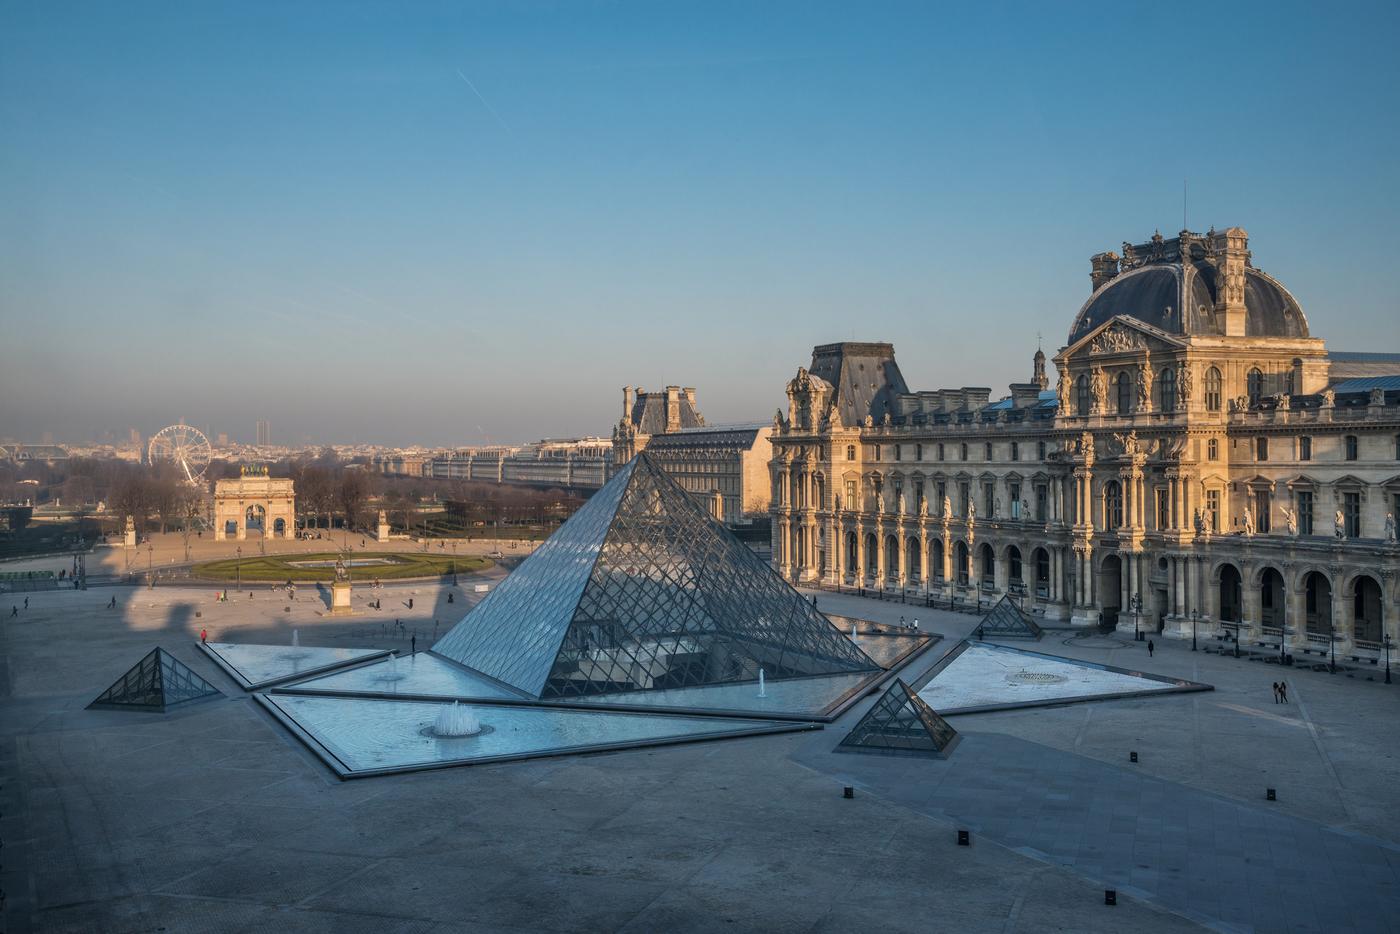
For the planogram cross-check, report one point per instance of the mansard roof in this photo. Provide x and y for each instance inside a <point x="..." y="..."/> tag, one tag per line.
<point x="865" y="375"/>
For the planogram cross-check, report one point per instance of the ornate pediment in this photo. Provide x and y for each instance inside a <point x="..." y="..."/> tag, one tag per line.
<point x="1122" y="335"/>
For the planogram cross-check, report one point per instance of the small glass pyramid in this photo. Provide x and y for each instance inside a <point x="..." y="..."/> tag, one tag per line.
<point x="642" y="590"/>
<point x="901" y="724"/>
<point x="156" y="683"/>
<point x="1007" y="621"/>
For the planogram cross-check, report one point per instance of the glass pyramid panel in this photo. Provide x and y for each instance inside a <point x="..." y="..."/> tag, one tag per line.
<point x="901" y="723"/>
<point x="640" y="591"/>
<point x="676" y="601"/>
<point x="514" y="634"/>
<point x="1006" y="621"/>
<point x="157" y="682"/>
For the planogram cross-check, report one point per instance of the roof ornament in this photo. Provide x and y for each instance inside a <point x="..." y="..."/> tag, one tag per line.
<point x="1130" y="257"/>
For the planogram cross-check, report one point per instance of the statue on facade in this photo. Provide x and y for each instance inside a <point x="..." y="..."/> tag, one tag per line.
<point x="947" y="507"/>
<point x="1183" y="383"/>
<point x="838" y="502"/>
<point x="1291" y="518"/>
<point x="1062" y="391"/>
<point x="1098" y="386"/>
<point x="1248" y="521"/>
<point x="879" y="500"/>
<point x="1144" y="387"/>
<point x="1198" y="521"/>
<point x="1377" y="396"/>
<point x="1086" y="444"/>
<point x="899" y="501"/>
<point x="1339" y="525"/>
<point x="1329" y="398"/>
<point x="1129" y="443"/>
<point x="971" y="509"/>
<point x="923" y="507"/>
<point x="1390" y="527"/>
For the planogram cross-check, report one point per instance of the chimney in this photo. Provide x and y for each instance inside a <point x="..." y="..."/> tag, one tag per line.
<point x="673" y="408"/>
<point x="626" y="402"/>
<point x="1103" y="267"/>
<point x="1231" y="260"/>
<point x="690" y="396"/>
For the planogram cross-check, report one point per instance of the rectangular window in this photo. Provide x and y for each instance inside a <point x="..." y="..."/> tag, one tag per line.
<point x="1213" y="509"/>
<point x="940" y="451"/>
<point x="1163" y="508"/>
<point x="918" y="452"/>
<point x="1262" y="509"/>
<point x="1015" y="493"/>
<point x="1261" y="449"/>
<point x="987" y="451"/>
<point x="1015" y="451"/>
<point x="1212" y="449"/>
<point x="918" y="495"/>
<point x="1305" y="448"/>
<point x="989" y="500"/>
<point x="898" y="491"/>
<point x="942" y="495"/>
<point x="1042" y="502"/>
<point x="1040" y="450"/>
<point x="1352" y="447"/>
<point x="877" y="451"/>
<point x="964" y="497"/>
<point x="1351" y="514"/>
<point x="898" y="452"/>
<point x="1305" y="512"/>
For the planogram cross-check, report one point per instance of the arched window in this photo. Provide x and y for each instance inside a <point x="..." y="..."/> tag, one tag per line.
<point x="1254" y="384"/>
<point x="1166" y="390"/>
<point x="1125" y="393"/>
<point x="1082" y="399"/>
<point x="1212" y="390"/>
<point x="1112" y="505"/>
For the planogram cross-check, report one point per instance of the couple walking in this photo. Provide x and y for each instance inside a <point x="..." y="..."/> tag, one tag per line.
<point x="1280" y="692"/>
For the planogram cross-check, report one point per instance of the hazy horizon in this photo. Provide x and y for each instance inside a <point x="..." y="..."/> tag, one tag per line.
<point x="443" y="225"/>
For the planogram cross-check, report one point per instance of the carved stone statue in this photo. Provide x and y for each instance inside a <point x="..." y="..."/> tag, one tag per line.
<point x="1144" y="387"/>
<point x="1062" y="392"/>
<point x="1291" y="518"/>
<point x="1098" y="385"/>
<point x="1377" y="396"/>
<point x="971" y="509"/>
<point x="899" y="501"/>
<point x="1198" y="520"/>
<point x="340" y="573"/>
<point x="879" y="500"/>
<point x="1248" y="521"/>
<point x="838" y="502"/>
<point x="1329" y="398"/>
<point x="923" y="506"/>
<point x="1129" y="443"/>
<point x="869" y="421"/>
<point x="1390" y="527"/>
<point x="1086" y="444"/>
<point x="1183" y="383"/>
<point x="1339" y="525"/>
<point x="947" y="507"/>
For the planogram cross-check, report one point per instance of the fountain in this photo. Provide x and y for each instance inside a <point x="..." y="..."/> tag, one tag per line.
<point x="853" y="630"/>
<point x="456" y="720"/>
<point x="296" y="639"/>
<point x="393" y="673"/>
<point x="296" y="652"/>
<point x="762" y="688"/>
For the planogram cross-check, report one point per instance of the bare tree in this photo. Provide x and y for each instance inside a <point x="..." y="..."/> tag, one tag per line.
<point x="354" y="489"/>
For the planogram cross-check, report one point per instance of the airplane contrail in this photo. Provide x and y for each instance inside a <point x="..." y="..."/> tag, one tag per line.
<point x="483" y="100"/>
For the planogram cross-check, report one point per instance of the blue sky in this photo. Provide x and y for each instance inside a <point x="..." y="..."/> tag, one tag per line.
<point x="442" y="223"/>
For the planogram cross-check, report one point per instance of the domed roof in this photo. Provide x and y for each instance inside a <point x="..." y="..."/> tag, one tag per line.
<point x="1153" y="294"/>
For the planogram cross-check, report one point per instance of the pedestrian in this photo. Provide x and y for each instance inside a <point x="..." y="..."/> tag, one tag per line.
<point x="204" y="635"/>
<point x="250" y="595"/>
<point x="1276" y="698"/>
<point x="14" y="611"/>
<point x="413" y="644"/>
<point x="410" y="603"/>
<point x="1283" y="691"/>
<point x="449" y="596"/>
<point x="26" y="603"/>
<point x="915" y="624"/>
<point x="1150" y="648"/>
<point x="901" y="623"/>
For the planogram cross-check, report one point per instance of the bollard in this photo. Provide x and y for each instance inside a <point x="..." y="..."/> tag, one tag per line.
<point x="848" y="792"/>
<point x="964" y="838"/>
<point x="1270" y="795"/>
<point x="1132" y="757"/>
<point x="1110" y="896"/>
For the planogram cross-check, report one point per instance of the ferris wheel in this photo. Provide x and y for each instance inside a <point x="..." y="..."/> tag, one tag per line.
<point x="183" y="446"/>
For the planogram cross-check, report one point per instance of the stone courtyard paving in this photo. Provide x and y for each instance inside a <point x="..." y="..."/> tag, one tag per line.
<point x="213" y="818"/>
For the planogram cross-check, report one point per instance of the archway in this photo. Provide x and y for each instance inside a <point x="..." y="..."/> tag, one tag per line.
<point x="914" y="560"/>
<point x="1111" y="589"/>
<point x="1366" y="611"/>
<point x="872" y="556"/>
<point x="988" y="560"/>
<point x="852" y="554"/>
<point x="1231" y="592"/>
<point x="935" y="560"/>
<point x="1317" y="603"/>
<point x="255" y="517"/>
<point x="1015" y="582"/>
<point x="1273" y="608"/>
<point x="1041" y="557"/>
<point x="960" y="563"/>
<point x="891" y="557"/>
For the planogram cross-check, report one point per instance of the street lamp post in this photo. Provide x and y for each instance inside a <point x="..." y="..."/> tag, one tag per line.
<point x="239" y="551"/>
<point x="1136" y="604"/>
<point x="1386" y="642"/>
<point x="1195" y="616"/>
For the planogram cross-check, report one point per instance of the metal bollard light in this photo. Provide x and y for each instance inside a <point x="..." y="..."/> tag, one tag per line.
<point x="964" y="838"/>
<point x="848" y="792"/>
<point x="1270" y="794"/>
<point x="1132" y="757"/>
<point x="1110" y="896"/>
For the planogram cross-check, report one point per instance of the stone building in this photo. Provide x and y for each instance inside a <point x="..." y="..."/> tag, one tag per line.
<point x="1202" y="457"/>
<point x="254" y="501"/>
<point x="723" y="466"/>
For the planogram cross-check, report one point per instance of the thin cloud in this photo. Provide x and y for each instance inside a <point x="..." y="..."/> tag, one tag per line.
<point x="485" y="103"/>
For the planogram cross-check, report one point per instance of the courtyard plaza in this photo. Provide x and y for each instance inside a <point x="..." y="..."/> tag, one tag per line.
<point x="214" y="818"/>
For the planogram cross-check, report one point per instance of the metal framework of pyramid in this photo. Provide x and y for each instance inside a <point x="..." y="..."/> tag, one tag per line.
<point x="1007" y="621"/>
<point x="156" y="683"/>
<point x="901" y="724"/>
<point x="641" y="590"/>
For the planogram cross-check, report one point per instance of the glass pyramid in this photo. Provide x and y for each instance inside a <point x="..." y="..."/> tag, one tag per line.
<point x="641" y="590"/>
<point x="901" y="724"/>
<point x="156" y="683"/>
<point x="1007" y="621"/>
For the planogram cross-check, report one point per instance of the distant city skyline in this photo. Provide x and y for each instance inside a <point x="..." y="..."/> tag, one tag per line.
<point x="450" y="224"/>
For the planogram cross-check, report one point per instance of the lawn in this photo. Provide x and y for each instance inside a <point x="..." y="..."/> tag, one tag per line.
<point x="321" y="567"/>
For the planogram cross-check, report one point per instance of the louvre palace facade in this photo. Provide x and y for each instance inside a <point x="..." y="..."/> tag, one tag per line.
<point x="1201" y="457"/>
